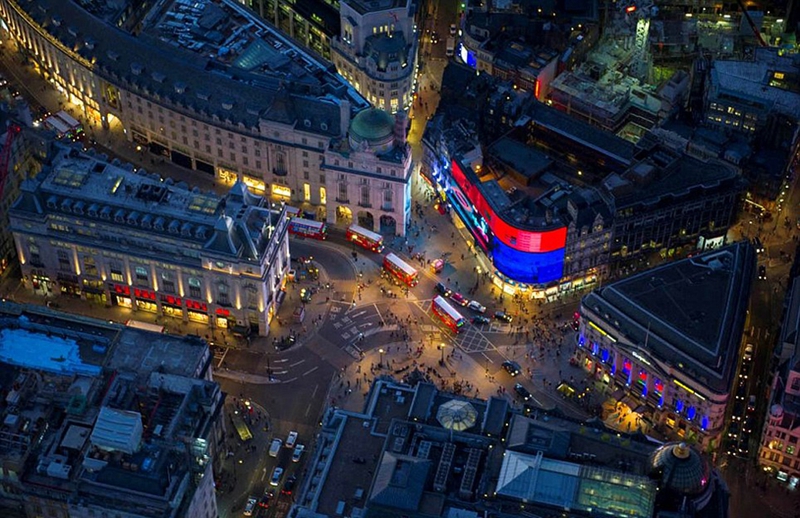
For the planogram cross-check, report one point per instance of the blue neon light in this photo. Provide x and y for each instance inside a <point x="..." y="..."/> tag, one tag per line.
<point x="678" y="406"/>
<point x="704" y="422"/>
<point x="660" y="401"/>
<point x="595" y="348"/>
<point x="644" y="390"/>
<point x="604" y="355"/>
<point x="691" y="413"/>
<point x="527" y="267"/>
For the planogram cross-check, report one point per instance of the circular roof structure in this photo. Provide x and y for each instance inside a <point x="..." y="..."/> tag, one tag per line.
<point x="680" y="469"/>
<point x="457" y="415"/>
<point x="372" y="125"/>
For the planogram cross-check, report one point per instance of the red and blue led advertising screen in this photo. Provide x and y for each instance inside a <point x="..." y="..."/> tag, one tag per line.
<point x="523" y="255"/>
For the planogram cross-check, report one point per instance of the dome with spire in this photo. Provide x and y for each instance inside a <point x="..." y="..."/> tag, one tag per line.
<point x="679" y="469"/>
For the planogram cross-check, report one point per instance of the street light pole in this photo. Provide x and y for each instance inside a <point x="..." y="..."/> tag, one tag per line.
<point x="441" y="348"/>
<point x="381" y="351"/>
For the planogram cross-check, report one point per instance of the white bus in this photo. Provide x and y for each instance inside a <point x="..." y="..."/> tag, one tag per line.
<point x="145" y="326"/>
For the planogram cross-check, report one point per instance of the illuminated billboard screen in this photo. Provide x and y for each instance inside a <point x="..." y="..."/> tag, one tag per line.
<point x="528" y="268"/>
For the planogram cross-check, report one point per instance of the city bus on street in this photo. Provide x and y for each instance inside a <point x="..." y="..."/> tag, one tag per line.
<point x="448" y="314"/>
<point x="308" y="228"/>
<point x="401" y="269"/>
<point x="365" y="238"/>
<point x="75" y="127"/>
<point x="145" y="326"/>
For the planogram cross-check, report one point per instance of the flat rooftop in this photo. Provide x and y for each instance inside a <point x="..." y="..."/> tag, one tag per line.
<point x="690" y="313"/>
<point x="356" y="446"/>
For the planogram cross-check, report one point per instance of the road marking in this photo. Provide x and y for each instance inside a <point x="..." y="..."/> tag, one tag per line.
<point x="354" y="315"/>
<point x="279" y="372"/>
<point x="487" y="358"/>
<point x="315" y="391"/>
<point x="263" y="474"/>
<point x="310" y="371"/>
<point x="379" y="313"/>
<point x="295" y="364"/>
<point x="281" y="360"/>
<point x="224" y="354"/>
<point x="289" y="380"/>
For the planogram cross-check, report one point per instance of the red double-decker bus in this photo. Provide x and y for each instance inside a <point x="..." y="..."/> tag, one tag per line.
<point x="448" y="314"/>
<point x="308" y="228"/>
<point x="365" y="238"/>
<point x="401" y="269"/>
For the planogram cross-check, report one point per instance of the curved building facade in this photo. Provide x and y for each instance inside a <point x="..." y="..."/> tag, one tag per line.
<point x="523" y="252"/>
<point x="237" y="100"/>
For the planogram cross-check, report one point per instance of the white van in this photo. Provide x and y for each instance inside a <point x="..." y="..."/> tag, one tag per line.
<point x="275" y="447"/>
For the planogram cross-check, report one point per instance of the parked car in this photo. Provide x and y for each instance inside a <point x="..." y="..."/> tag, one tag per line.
<point x="762" y="273"/>
<point x="275" y="447"/>
<point x="748" y="352"/>
<point x="458" y="299"/>
<point x="277" y="473"/>
<point x="291" y="439"/>
<point x="512" y="367"/>
<point x="298" y="452"/>
<point x="250" y="506"/>
<point x="453" y="29"/>
<point x="480" y="320"/>
<point x="288" y="486"/>
<point x="442" y="290"/>
<point x="474" y="305"/>
<point x="522" y="392"/>
<point x="502" y="315"/>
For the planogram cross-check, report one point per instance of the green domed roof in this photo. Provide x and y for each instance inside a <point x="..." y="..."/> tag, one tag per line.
<point x="372" y="124"/>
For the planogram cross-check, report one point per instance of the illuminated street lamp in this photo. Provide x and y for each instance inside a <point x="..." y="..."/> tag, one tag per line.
<point x="381" y="351"/>
<point x="441" y="348"/>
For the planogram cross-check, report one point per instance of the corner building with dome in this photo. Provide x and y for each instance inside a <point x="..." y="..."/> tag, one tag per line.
<point x="213" y="88"/>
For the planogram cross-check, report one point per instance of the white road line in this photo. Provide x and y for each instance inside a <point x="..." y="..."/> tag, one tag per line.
<point x="289" y="380"/>
<point x="487" y="358"/>
<point x="310" y="371"/>
<point x="379" y="313"/>
<point x="223" y="358"/>
<point x="279" y="372"/>
<point x="295" y="364"/>
<point x="315" y="391"/>
<point x="280" y="360"/>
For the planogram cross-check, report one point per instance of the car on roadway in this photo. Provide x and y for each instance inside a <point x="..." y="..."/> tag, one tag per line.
<point x="250" y="506"/>
<point x="733" y="429"/>
<point x="266" y="498"/>
<point x="751" y="403"/>
<point x="305" y="295"/>
<point x="298" y="452"/>
<point x="502" y="315"/>
<point x="512" y="368"/>
<point x="474" y="305"/>
<point x="275" y="447"/>
<point x="522" y="392"/>
<point x="291" y="439"/>
<point x="288" y="486"/>
<point x="453" y="29"/>
<point x="762" y="273"/>
<point x="434" y="38"/>
<point x="748" y="352"/>
<point x="459" y="299"/>
<point x="442" y="290"/>
<point x="480" y="320"/>
<point x="277" y="473"/>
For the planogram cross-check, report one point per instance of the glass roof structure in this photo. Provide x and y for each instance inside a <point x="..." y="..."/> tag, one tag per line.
<point x="594" y="490"/>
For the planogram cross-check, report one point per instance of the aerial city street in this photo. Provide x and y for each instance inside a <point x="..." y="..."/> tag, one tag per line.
<point x="399" y="258"/>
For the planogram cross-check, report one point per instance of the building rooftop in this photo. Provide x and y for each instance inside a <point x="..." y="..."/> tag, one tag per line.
<point x="420" y="464"/>
<point x="258" y="73"/>
<point x="237" y="225"/>
<point x="582" y="133"/>
<point x="120" y="427"/>
<point x="663" y="172"/>
<point x="771" y="79"/>
<point x="374" y="6"/>
<point x="688" y="314"/>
